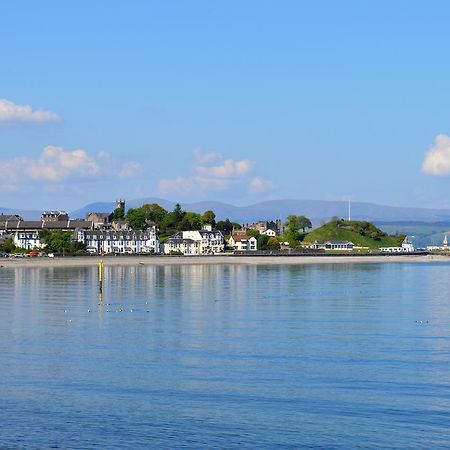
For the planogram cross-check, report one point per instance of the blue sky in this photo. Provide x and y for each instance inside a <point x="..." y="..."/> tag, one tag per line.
<point x="232" y="101"/>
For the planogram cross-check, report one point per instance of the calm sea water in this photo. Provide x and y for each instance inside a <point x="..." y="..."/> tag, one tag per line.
<point x="226" y="356"/>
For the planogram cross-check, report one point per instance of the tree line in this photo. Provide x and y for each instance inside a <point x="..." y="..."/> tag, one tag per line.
<point x="170" y="222"/>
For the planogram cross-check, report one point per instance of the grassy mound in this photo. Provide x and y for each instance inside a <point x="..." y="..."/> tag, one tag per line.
<point x="361" y="233"/>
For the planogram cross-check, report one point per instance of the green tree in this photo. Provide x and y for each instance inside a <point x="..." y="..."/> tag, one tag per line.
<point x="292" y="234"/>
<point x="293" y="237"/>
<point x="8" y="246"/>
<point x="304" y="223"/>
<point x="173" y="220"/>
<point x="156" y="213"/>
<point x="191" y="221"/>
<point x="263" y="241"/>
<point x="273" y="243"/>
<point x="136" y="218"/>
<point x="252" y="233"/>
<point x="225" y="226"/>
<point x="293" y="225"/>
<point x="118" y="214"/>
<point x="209" y="218"/>
<point x="61" y="241"/>
<point x="178" y="213"/>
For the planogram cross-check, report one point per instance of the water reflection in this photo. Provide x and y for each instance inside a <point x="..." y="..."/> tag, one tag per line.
<point x="225" y="355"/>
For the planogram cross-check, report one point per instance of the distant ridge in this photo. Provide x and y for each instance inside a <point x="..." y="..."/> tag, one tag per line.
<point x="317" y="210"/>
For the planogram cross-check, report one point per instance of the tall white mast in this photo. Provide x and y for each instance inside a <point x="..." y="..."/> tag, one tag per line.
<point x="349" y="211"/>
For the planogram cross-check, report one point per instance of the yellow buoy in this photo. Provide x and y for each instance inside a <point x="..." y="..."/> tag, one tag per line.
<point x="100" y="274"/>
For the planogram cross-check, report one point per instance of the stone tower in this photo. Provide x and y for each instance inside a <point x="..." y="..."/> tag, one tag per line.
<point x="120" y="204"/>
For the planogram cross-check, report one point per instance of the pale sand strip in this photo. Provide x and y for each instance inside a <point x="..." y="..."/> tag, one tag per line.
<point x="190" y="260"/>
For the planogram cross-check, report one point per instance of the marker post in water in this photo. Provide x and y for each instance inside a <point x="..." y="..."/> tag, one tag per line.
<point x="100" y="275"/>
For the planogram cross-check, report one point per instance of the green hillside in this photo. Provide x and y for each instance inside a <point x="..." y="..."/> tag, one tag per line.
<point x="361" y="233"/>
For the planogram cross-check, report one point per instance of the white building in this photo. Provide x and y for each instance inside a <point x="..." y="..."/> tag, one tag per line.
<point x="181" y="246"/>
<point x="332" y="245"/>
<point x="269" y="232"/>
<point x="28" y="239"/>
<point x="120" y="242"/>
<point x="442" y="247"/>
<point x="205" y="242"/>
<point x="406" y="247"/>
<point x="242" y="242"/>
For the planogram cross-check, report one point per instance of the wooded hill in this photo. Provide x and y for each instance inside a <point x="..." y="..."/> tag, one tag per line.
<point x="361" y="233"/>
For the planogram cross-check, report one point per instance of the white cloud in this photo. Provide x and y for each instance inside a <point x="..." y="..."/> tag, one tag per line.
<point x="211" y="171"/>
<point x="259" y="184"/>
<point x="228" y="169"/>
<point x="131" y="169"/>
<point x="53" y="164"/>
<point x="437" y="158"/>
<point x="12" y="113"/>
<point x="11" y="170"/>
<point x="206" y="175"/>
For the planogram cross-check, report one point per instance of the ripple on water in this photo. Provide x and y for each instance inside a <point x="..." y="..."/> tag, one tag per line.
<point x="225" y="356"/>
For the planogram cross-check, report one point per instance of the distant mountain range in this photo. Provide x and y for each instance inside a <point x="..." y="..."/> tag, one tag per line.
<point x="316" y="210"/>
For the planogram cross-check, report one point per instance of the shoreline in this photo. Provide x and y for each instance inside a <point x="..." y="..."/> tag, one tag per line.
<point x="91" y="261"/>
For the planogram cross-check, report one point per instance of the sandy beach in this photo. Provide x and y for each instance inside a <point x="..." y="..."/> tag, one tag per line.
<point x="222" y="259"/>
